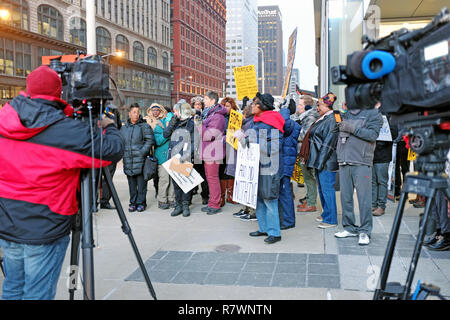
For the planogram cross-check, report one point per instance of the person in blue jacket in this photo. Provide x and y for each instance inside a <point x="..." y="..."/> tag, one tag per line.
<point x="291" y="132"/>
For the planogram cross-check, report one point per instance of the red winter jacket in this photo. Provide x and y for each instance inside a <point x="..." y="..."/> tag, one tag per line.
<point x="41" y="155"/>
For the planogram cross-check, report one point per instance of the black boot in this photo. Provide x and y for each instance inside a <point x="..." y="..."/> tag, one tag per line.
<point x="186" y="211"/>
<point x="178" y="210"/>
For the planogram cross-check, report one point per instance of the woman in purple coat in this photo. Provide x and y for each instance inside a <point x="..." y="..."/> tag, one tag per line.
<point x="213" y="148"/>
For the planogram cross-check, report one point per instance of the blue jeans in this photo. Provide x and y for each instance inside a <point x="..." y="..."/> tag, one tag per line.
<point x="32" y="271"/>
<point x="268" y="218"/>
<point x="287" y="202"/>
<point x="327" y="194"/>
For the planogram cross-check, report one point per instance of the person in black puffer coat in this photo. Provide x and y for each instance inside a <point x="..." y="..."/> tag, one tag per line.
<point x="139" y="140"/>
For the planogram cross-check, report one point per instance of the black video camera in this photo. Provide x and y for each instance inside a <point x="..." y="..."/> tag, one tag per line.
<point x="408" y="71"/>
<point x="84" y="82"/>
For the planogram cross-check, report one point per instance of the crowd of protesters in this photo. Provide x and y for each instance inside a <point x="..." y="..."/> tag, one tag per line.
<point x="337" y="150"/>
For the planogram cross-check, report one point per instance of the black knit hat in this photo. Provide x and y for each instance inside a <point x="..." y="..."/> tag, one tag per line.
<point x="267" y="100"/>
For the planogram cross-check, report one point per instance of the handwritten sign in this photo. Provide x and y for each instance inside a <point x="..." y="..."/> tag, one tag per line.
<point x="412" y="156"/>
<point x="186" y="183"/>
<point x="246" y="177"/>
<point x="246" y="83"/>
<point x="385" y="132"/>
<point x="234" y="124"/>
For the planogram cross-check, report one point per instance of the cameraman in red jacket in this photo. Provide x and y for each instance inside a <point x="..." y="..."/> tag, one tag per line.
<point x="42" y="154"/>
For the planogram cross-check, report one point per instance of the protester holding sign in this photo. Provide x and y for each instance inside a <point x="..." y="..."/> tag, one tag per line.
<point x="227" y="178"/>
<point x="180" y="130"/>
<point x="268" y="132"/>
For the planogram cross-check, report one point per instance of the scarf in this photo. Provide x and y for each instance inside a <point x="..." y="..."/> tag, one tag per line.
<point x="272" y="118"/>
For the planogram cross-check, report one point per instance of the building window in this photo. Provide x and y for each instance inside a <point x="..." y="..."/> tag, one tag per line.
<point x="152" y="57"/>
<point x="123" y="45"/>
<point x="50" y="22"/>
<point x="19" y="13"/>
<point x="103" y="40"/>
<point x="23" y="59"/>
<point x="165" y="58"/>
<point x="78" y="32"/>
<point x="138" y="52"/>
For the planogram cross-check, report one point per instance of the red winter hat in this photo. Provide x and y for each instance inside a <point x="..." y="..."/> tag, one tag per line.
<point x="44" y="82"/>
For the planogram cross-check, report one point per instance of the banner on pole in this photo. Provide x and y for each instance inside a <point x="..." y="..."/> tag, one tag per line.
<point x="246" y="177"/>
<point x="234" y="124"/>
<point x="246" y="83"/>
<point x="290" y="64"/>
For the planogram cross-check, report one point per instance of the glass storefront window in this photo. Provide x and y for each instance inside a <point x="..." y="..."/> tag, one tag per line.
<point x="345" y="30"/>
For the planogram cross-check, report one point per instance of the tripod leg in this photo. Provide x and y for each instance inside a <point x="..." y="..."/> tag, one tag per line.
<point x="418" y="247"/>
<point x="74" y="257"/>
<point x="391" y="246"/>
<point x="87" y="239"/>
<point x="127" y="230"/>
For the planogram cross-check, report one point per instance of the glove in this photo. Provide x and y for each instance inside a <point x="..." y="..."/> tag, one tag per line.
<point x="346" y="126"/>
<point x="174" y="121"/>
<point x="239" y="134"/>
<point x="292" y="106"/>
<point x="244" y="102"/>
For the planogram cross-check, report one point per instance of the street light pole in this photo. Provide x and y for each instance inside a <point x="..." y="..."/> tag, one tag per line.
<point x="263" y="69"/>
<point x="90" y="27"/>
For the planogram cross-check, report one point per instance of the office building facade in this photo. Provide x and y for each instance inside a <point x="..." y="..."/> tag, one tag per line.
<point x="140" y="29"/>
<point x="199" y="56"/>
<point x="270" y="40"/>
<point x="242" y="39"/>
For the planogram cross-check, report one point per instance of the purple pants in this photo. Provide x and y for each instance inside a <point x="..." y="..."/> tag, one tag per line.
<point x="212" y="176"/>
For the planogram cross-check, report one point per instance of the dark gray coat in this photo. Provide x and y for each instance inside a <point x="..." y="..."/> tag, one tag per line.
<point x="139" y="139"/>
<point x="358" y="148"/>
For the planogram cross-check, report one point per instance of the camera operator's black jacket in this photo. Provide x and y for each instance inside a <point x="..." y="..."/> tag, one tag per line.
<point x="42" y="154"/>
<point x="139" y="140"/>
<point x="322" y="143"/>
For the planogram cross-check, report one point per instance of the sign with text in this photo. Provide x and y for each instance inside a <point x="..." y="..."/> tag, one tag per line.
<point x="246" y="177"/>
<point x="234" y="124"/>
<point x="246" y="83"/>
<point x="385" y="132"/>
<point x="290" y="63"/>
<point x="186" y="183"/>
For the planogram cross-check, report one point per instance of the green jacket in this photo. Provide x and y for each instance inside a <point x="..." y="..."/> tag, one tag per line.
<point x="162" y="144"/>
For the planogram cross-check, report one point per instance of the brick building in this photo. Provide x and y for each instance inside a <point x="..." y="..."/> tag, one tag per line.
<point x="138" y="28"/>
<point x="199" y="55"/>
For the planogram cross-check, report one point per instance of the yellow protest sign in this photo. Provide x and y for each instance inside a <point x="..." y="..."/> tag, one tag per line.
<point x="246" y="83"/>
<point x="234" y="124"/>
<point x="297" y="175"/>
<point x="412" y="156"/>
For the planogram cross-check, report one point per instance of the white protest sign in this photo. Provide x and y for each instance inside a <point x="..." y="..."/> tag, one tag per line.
<point x="185" y="183"/>
<point x="246" y="177"/>
<point x="385" y="132"/>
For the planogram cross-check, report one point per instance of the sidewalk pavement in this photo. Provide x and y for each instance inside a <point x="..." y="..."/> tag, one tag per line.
<point x="212" y="257"/>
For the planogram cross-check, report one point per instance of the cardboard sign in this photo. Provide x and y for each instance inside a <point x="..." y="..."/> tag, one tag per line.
<point x="385" y="132"/>
<point x="391" y="174"/>
<point x="290" y="64"/>
<point x="234" y="124"/>
<point x="186" y="183"/>
<point x="246" y="83"/>
<point x="182" y="168"/>
<point x="246" y="177"/>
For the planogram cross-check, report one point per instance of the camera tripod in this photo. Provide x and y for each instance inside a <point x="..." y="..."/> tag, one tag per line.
<point x="429" y="180"/>
<point x="83" y="227"/>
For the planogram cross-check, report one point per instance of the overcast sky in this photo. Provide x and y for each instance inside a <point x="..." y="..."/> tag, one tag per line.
<point x="296" y="13"/>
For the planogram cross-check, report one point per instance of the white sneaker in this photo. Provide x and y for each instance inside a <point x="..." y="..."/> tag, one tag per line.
<point x="363" y="239"/>
<point x="345" y="234"/>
